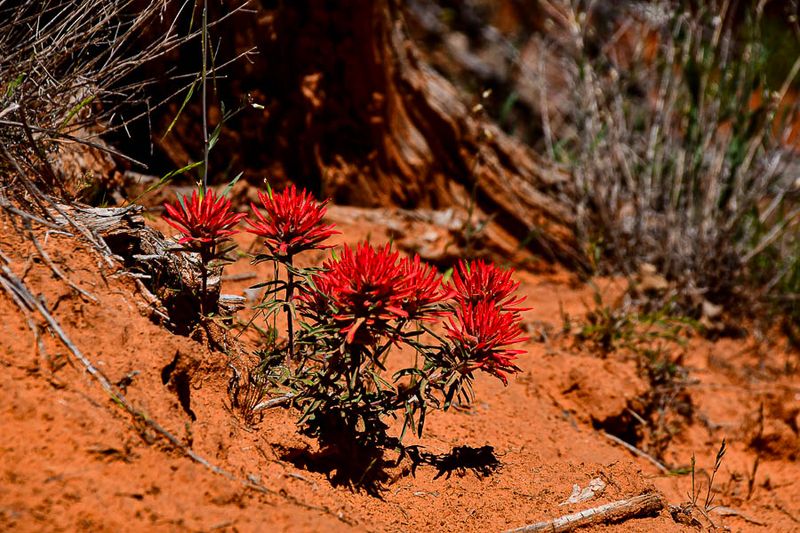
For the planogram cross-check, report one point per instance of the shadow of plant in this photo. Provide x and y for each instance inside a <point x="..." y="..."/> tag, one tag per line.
<point x="355" y="467"/>
<point x="481" y="461"/>
<point x="366" y="468"/>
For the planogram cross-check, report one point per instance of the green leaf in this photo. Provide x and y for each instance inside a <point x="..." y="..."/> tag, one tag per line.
<point x="14" y="84"/>
<point x="186" y="99"/>
<point x="231" y="184"/>
<point x="447" y="275"/>
<point x="74" y="111"/>
<point x="214" y="136"/>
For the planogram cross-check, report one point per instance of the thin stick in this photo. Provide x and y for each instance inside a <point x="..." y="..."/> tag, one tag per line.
<point x="636" y="451"/>
<point x="13" y="210"/>
<point x="289" y="307"/>
<point x="242" y="276"/>
<point x="647" y="504"/>
<point x="729" y="511"/>
<point x="57" y="136"/>
<point x="53" y="266"/>
<point x="28" y="318"/>
<point x="273" y="402"/>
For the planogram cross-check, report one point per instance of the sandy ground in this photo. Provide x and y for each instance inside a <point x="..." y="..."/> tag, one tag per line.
<point x="72" y="459"/>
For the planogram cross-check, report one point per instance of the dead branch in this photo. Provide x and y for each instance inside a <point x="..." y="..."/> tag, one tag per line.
<point x="647" y="504"/>
<point x="636" y="451"/>
<point x="57" y="271"/>
<point x="274" y="402"/>
<point x="26" y="312"/>
<point x="729" y="511"/>
<point x="141" y="248"/>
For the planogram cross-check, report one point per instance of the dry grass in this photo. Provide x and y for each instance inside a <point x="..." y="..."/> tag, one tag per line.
<point x="73" y="70"/>
<point x="680" y="145"/>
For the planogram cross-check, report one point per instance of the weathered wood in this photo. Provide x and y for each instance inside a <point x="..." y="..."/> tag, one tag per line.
<point x="647" y="504"/>
<point x="431" y="136"/>
<point x="124" y="231"/>
<point x="169" y="274"/>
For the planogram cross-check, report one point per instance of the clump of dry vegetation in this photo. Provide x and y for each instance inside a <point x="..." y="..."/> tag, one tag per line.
<point x="72" y="71"/>
<point x="681" y="137"/>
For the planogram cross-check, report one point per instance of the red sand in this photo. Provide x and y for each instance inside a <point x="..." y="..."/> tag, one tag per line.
<point x="72" y="459"/>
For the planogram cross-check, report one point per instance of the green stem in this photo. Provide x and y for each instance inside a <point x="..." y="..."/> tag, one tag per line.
<point x="204" y="289"/>
<point x="206" y="255"/>
<point x="204" y="83"/>
<point x="289" y="300"/>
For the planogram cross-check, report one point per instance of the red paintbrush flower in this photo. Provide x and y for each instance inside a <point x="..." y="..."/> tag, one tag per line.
<point x="481" y="334"/>
<point x="424" y="287"/>
<point x="293" y="222"/>
<point x="203" y="219"/>
<point x="478" y="281"/>
<point x="365" y="291"/>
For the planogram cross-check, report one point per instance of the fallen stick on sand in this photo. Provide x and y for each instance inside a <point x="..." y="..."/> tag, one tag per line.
<point x="728" y="511"/>
<point x="636" y="451"/>
<point x="647" y="504"/>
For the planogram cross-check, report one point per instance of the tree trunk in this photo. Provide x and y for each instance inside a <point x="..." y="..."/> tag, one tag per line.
<point x="352" y="111"/>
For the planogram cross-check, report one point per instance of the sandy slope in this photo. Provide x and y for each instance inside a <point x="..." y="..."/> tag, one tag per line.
<point x="72" y="459"/>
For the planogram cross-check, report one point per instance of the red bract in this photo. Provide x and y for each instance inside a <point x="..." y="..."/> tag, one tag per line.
<point x="478" y="281"/>
<point x="424" y="287"/>
<point x="204" y="219"/>
<point x="481" y="334"/>
<point x="293" y="222"/>
<point x="365" y="291"/>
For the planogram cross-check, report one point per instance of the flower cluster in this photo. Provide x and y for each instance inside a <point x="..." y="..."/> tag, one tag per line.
<point x="479" y="281"/>
<point x="293" y="222"/>
<point x="203" y="219"/>
<point x="481" y="334"/>
<point x="486" y="319"/>
<point x="424" y="289"/>
<point x="356" y="307"/>
<point x="368" y="287"/>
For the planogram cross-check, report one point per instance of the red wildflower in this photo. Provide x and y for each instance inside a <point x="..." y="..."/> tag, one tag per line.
<point x="481" y="334"/>
<point x="424" y="287"/>
<point x="293" y="222"/>
<point x="478" y="281"/>
<point x="365" y="291"/>
<point x="205" y="219"/>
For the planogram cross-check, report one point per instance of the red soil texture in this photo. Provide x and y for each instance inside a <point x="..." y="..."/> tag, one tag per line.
<point x="73" y="459"/>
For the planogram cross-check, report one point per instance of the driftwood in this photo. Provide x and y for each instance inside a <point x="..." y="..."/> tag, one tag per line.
<point x="647" y="504"/>
<point x="124" y="231"/>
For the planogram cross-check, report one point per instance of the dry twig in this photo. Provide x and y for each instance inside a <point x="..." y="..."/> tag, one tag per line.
<point x="647" y="504"/>
<point x="636" y="451"/>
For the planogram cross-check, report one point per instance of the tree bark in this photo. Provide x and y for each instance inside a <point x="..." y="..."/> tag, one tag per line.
<point x="423" y="147"/>
<point x="352" y="111"/>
